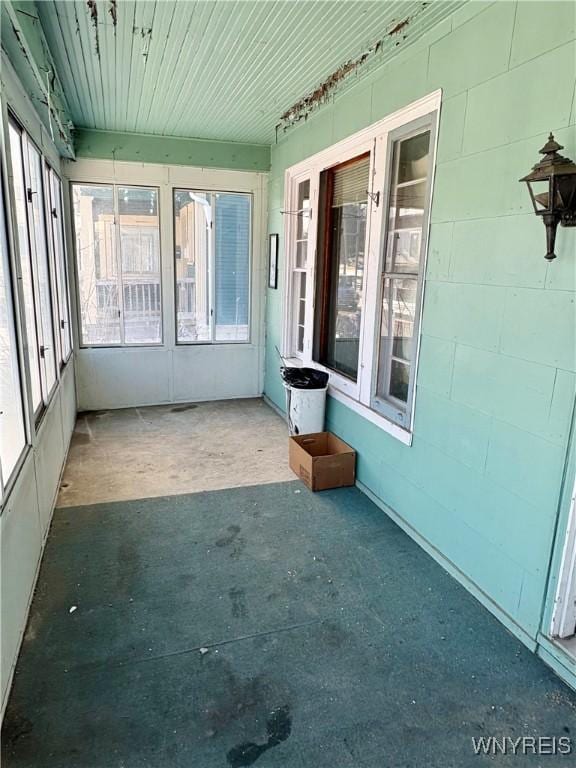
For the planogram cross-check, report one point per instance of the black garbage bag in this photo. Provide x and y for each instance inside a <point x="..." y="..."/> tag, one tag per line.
<point x="304" y="378"/>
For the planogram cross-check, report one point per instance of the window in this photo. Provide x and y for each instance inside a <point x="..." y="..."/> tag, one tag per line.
<point x="34" y="264"/>
<point x="12" y="434"/>
<point x="407" y="215"/>
<point x="43" y="279"/>
<point x="212" y="247"/>
<point x="343" y="211"/>
<point x="356" y="232"/>
<point x="54" y="194"/>
<point x="118" y="264"/>
<point x="300" y="265"/>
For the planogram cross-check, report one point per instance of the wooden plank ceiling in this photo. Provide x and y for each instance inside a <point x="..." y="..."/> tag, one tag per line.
<point x="215" y="69"/>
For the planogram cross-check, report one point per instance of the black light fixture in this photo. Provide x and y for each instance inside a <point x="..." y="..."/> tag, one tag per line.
<point x="552" y="187"/>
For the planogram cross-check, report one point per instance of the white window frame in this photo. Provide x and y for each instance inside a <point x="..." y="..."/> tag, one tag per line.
<point x="7" y="479"/>
<point x="116" y="185"/>
<point x="375" y="139"/>
<point x="212" y="341"/>
<point x="35" y="335"/>
<point x="564" y="613"/>
<point x="291" y="228"/>
<point x="59" y="263"/>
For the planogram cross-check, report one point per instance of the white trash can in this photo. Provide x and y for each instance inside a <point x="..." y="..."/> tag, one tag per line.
<point x="305" y="409"/>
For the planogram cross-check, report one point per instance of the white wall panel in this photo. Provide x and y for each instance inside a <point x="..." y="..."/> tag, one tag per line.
<point x="68" y="402"/>
<point x="26" y="518"/>
<point x="129" y="376"/>
<point x="117" y="378"/>
<point x="20" y="548"/>
<point x="49" y="456"/>
<point x="216" y="372"/>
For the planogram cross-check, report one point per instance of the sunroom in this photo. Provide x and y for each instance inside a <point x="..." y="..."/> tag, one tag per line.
<point x="200" y="199"/>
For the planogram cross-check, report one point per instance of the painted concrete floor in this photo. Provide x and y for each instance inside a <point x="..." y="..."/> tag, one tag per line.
<point x="569" y="646"/>
<point x="137" y="453"/>
<point x="264" y="626"/>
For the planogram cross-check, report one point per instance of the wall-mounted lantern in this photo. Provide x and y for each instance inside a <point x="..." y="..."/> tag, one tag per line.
<point x="552" y="187"/>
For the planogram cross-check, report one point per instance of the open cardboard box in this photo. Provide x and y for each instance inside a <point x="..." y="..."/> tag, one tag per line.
<point x="321" y="460"/>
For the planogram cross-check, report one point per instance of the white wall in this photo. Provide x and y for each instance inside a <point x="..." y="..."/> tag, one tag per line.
<point x="27" y="509"/>
<point x="127" y="376"/>
<point x="26" y="517"/>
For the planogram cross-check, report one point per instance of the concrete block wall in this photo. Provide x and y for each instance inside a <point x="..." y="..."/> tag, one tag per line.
<point x="481" y="483"/>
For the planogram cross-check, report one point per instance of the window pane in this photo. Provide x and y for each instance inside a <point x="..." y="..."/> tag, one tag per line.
<point x="232" y="266"/>
<point x="60" y="259"/>
<point x="12" y="435"/>
<point x="407" y="213"/>
<point x="407" y="204"/>
<point x="192" y="240"/>
<point x="42" y="275"/>
<point x="96" y="264"/>
<point x="299" y="310"/>
<point x="345" y="192"/>
<point x="303" y="221"/>
<point x="399" y="380"/>
<point x="25" y="265"/>
<point x="140" y="259"/>
<point x="413" y="158"/>
<point x="397" y="337"/>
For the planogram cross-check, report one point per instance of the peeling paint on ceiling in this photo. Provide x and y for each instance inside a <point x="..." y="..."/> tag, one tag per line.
<point x="327" y="89"/>
<point x="220" y="70"/>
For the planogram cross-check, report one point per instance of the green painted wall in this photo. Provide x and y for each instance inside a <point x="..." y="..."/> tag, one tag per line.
<point x="496" y="381"/>
<point x="171" y="151"/>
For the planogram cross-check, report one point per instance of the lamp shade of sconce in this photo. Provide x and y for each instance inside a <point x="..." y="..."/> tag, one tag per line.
<point x="552" y="187"/>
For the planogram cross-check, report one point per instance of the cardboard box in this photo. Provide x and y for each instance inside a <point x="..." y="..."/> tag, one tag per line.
<point x="321" y="460"/>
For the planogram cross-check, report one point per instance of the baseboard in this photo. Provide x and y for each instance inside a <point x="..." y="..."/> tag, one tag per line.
<point x="558" y="660"/>
<point x="274" y="407"/>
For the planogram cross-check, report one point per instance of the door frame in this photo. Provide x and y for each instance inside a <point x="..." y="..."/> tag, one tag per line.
<point x="564" y="611"/>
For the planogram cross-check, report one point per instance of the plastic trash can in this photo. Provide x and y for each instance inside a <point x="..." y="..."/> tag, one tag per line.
<point x="305" y="399"/>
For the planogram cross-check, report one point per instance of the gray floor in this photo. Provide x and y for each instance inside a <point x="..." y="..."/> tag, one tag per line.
<point x="568" y="645"/>
<point x="263" y="625"/>
<point x="136" y="453"/>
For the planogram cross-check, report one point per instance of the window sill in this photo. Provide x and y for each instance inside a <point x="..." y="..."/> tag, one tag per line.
<point x="401" y="434"/>
<point x="367" y="413"/>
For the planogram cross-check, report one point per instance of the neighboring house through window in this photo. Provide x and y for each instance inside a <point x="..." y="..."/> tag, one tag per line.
<point x="117" y="235"/>
<point x="212" y="256"/>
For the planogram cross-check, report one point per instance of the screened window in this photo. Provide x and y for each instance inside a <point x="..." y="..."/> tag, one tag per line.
<point x="32" y="249"/>
<point x="37" y="209"/>
<point x="117" y="237"/>
<point x="403" y="256"/>
<point x="356" y="223"/>
<point x="341" y="248"/>
<point x="212" y="242"/>
<point x="54" y="195"/>
<point x="12" y="434"/>
<point x="300" y="264"/>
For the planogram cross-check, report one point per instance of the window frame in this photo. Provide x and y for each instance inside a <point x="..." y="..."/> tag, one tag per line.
<point x="378" y="139"/>
<point x="385" y="406"/>
<point x="212" y="341"/>
<point x="61" y="293"/>
<point x="291" y="221"/>
<point x="7" y="481"/>
<point x="115" y="185"/>
<point x="324" y="298"/>
<point x="34" y="335"/>
<point x="42" y="227"/>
